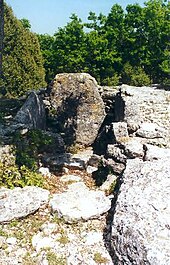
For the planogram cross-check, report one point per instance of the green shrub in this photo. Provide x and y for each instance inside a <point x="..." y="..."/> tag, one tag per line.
<point x="13" y="176"/>
<point x="28" y="147"/>
<point x="111" y="81"/>
<point x="140" y="78"/>
<point x="23" y="171"/>
<point x="135" y="76"/>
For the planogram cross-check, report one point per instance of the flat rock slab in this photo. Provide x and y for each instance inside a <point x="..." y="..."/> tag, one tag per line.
<point x="80" y="203"/>
<point x="20" y="202"/>
<point x="140" y="230"/>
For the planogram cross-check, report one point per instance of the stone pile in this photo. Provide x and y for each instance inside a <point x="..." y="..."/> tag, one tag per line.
<point x="124" y="218"/>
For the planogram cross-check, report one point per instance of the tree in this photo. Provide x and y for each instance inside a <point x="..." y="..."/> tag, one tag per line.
<point x="22" y="59"/>
<point x="26" y="24"/>
<point x="69" y="47"/>
<point x="46" y="45"/>
<point x="157" y="29"/>
<point x="132" y="44"/>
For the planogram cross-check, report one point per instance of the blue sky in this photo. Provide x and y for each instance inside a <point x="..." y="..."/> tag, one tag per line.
<point x="46" y="16"/>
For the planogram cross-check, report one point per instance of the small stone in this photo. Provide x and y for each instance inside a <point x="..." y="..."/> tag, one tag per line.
<point x="110" y="181"/>
<point x="45" y="171"/>
<point x="134" y="148"/>
<point x="70" y="178"/>
<point x="21" y="202"/>
<point x="11" y="240"/>
<point x="91" y="169"/>
<point x="120" y="132"/>
<point x="39" y="242"/>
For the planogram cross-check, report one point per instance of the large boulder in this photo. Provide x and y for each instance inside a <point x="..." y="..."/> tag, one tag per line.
<point x="140" y="230"/>
<point x="77" y="107"/>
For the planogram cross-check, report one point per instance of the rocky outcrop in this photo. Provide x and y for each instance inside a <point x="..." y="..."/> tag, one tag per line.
<point x="141" y="219"/>
<point x="77" y="107"/>
<point x="147" y="112"/>
<point x="20" y="202"/>
<point x="131" y="168"/>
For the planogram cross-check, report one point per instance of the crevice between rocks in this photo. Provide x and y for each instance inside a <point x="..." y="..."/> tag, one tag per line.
<point x="107" y="233"/>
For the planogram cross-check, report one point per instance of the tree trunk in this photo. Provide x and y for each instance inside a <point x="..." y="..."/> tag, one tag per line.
<point x="1" y="34"/>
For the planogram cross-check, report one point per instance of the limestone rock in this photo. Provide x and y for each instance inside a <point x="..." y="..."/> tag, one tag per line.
<point x="32" y="113"/>
<point x="147" y="105"/>
<point x="109" y="184"/>
<point x="117" y="168"/>
<point x="155" y="153"/>
<point x="140" y="230"/>
<point x="68" y="160"/>
<point x="20" y="202"/>
<point x="116" y="153"/>
<point x="120" y="132"/>
<point x="70" y="178"/>
<point x="134" y="148"/>
<point x="149" y="130"/>
<point x="44" y="171"/>
<point x="94" y="160"/>
<point x="80" y="203"/>
<point x="79" y="107"/>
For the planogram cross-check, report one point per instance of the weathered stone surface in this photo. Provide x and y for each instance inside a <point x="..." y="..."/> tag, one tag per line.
<point x="116" y="153"/>
<point x="117" y="168"/>
<point x="120" y="132"/>
<point x="146" y="104"/>
<point x="79" y="107"/>
<point x="68" y="160"/>
<point x="154" y="152"/>
<point x="70" y="178"/>
<point x="109" y="184"/>
<point x="134" y="148"/>
<point x="80" y="203"/>
<point x="94" y="160"/>
<point x="149" y="130"/>
<point x="21" y="202"/>
<point x="140" y="230"/>
<point x="32" y="113"/>
<point x="44" y="171"/>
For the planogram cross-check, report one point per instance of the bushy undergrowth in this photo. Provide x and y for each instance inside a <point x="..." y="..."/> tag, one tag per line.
<point x="23" y="171"/>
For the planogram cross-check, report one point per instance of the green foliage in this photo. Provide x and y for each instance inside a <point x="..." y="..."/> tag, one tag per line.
<point x="46" y="44"/>
<point x="69" y="47"/>
<point x="99" y="259"/>
<point x="140" y="78"/>
<point x="135" y="76"/>
<point x="28" y="147"/>
<point x="13" y="176"/>
<point x="25" y="22"/>
<point x="22" y="60"/>
<point x="111" y="81"/>
<point x="138" y="36"/>
<point x="23" y="171"/>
